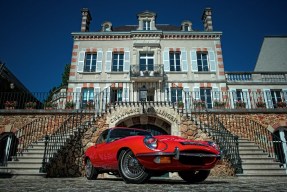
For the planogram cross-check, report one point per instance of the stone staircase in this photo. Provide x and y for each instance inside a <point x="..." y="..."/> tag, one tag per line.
<point x="256" y="163"/>
<point x="29" y="163"/>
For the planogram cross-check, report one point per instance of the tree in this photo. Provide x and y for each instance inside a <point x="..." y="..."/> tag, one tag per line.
<point x="65" y="75"/>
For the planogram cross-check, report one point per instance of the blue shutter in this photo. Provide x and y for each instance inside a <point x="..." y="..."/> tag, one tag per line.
<point x="126" y="94"/>
<point x="186" y="99"/>
<point x="127" y="61"/>
<point x="285" y="94"/>
<point x="212" y="62"/>
<point x="109" y="56"/>
<point x="246" y="98"/>
<point x="184" y="60"/>
<point x="196" y="93"/>
<point x="97" y="99"/>
<point x="166" y="60"/>
<point x="233" y="97"/>
<point x="193" y="57"/>
<point x="77" y="97"/>
<point x="268" y="98"/>
<point x="216" y="94"/>
<point x="99" y="61"/>
<point x="81" y="61"/>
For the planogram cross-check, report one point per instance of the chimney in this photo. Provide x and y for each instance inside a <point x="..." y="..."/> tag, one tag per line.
<point x="207" y="19"/>
<point x="86" y="19"/>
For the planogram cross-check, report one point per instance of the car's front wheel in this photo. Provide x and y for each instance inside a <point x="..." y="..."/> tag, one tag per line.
<point x="130" y="168"/>
<point x="91" y="172"/>
<point x="194" y="176"/>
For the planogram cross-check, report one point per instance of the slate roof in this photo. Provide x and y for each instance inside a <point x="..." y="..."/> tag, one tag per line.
<point x="163" y="27"/>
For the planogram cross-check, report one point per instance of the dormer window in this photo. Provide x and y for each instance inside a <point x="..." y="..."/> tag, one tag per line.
<point x="186" y="26"/>
<point x="107" y="26"/>
<point x="146" y="25"/>
<point x="146" y="21"/>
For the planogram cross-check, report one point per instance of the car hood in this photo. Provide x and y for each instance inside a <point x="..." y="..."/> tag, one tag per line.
<point x="166" y="138"/>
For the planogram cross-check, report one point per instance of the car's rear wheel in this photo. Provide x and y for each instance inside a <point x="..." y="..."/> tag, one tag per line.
<point x="194" y="176"/>
<point x="130" y="168"/>
<point x="91" y="172"/>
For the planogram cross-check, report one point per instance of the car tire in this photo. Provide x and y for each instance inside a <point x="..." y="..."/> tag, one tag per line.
<point x="130" y="168"/>
<point x="91" y="172"/>
<point x="194" y="176"/>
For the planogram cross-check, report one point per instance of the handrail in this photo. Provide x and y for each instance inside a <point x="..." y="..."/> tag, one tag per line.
<point x="266" y="140"/>
<point x="57" y="140"/>
<point x="227" y="142"/>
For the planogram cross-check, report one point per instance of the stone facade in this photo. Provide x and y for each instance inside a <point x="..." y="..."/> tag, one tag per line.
<point x="69" y="161"/>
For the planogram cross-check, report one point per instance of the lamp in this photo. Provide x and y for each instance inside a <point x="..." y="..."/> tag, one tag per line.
<point x="12" y="86"/>
<point x="143" y="96"/>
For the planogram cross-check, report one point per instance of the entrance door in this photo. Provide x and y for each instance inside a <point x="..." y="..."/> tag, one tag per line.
<point x="280" y="147"/>
<point x="155" y="130"/>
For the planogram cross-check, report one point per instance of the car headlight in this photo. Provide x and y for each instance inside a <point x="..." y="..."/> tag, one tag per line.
<point x="214" y="145"/>
<point x="150" y="142"/>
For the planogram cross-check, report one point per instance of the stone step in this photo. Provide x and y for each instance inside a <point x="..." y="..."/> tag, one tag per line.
<point x="252" y="155"/>
<point x="271" y="165"/>
<point x="257" y="160"/>
<point x="27" y="164"/>
<point x="28" y="159"/>
<point x="251" y="151"/>
<point x="243" y="148"/>
<point x="265" y="171"/>
<point x="243" y="176"/>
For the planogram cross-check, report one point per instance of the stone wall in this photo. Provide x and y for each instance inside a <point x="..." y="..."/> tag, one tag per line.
<point x="69" y="161"/>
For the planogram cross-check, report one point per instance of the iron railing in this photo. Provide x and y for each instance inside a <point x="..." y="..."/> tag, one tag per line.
<point x="267" y="77"/>
<point x="269" y="142"/>
<point x="129" y="92"/>
<point x="54" y="142"/>
<point x="55" y="130"/>
<point x="228" y="142"/>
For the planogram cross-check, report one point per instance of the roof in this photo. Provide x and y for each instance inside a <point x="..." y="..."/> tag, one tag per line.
<point x="163" y="27"/>
<point x="272" y="56"/>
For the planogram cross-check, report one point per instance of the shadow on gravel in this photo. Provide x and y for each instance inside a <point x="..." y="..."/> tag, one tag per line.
<point x="168" y="181"/>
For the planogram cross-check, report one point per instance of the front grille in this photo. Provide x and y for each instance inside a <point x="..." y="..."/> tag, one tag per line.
<point x="195" y="158"/>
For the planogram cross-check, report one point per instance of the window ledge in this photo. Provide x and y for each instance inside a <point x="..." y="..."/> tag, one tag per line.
<point x="89" y="72"/>
<point x="117" y="72"/>
<point x="176" y="72"/>
<point x="205" y="72"/>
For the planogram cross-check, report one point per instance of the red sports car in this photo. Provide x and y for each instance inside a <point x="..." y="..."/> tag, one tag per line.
<point x="136" y="155"/>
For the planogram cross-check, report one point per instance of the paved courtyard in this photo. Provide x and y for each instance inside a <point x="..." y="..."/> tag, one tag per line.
<point x="82" y="184"/>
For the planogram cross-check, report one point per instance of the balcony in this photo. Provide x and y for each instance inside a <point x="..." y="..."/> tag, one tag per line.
<point x="155" y="73"/>
<point x="256" y="77"/>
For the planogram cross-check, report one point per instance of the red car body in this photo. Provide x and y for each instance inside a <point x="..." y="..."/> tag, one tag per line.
<point x="128" y="151"/>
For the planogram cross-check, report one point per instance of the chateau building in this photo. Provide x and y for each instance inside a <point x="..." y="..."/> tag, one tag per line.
<point x="169" y="61"/>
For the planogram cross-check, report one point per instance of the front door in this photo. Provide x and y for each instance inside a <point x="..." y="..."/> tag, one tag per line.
<point x="280" y="147"/>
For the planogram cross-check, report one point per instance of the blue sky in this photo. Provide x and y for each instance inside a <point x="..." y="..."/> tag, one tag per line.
<point x="36" y="42"/>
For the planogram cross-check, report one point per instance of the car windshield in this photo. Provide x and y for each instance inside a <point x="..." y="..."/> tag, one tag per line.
<point x="121" y="133"/>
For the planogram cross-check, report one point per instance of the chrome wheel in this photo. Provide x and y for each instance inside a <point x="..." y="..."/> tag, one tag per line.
<point x="91" y="172"/>
<point x="130" y="168"/>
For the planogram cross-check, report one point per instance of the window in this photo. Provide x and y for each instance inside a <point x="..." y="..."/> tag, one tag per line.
<point x="103" y="137"/>
<point x="90" y="62"/>
<point x="185" y="28"/>
<point x="276" y="97"/>
<point x="176" y="94"/>
<point x="205" y="95"/>
<point x="118" y="62"/>
<point x="146" y="25"/>
<point x="107" y="28"/>
<point x="202" y="61"/>
<point x="116" y="95"/>
<point x="146" y="62"/>
<point x="87" y="97"/>
<point x="174" y="58"/>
